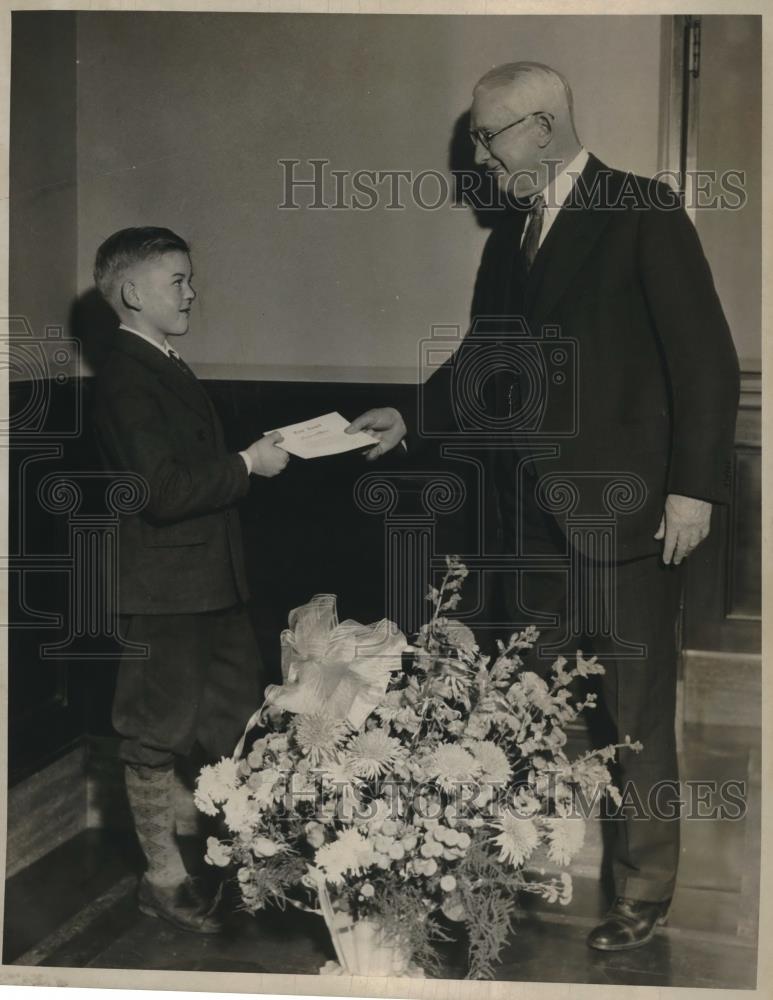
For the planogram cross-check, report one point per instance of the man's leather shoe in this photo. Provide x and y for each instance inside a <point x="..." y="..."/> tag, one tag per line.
<point x="181" y="905"/>
<point x="630" y="923"/>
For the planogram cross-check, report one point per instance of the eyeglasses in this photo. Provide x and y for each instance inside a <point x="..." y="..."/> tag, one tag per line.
<point x="485" y="138"/>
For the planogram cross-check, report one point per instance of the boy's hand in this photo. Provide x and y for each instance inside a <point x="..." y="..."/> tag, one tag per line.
<point x="386" y="424"/>
<point x="266" y="457"/>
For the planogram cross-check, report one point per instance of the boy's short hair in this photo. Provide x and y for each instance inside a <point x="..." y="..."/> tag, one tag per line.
<point x="130" y="246"/>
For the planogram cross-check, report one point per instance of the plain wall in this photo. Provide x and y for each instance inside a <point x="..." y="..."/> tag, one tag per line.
<point x="730" y="138"/>
<point x="183" y="117"/>
<point x="43" y="219"/>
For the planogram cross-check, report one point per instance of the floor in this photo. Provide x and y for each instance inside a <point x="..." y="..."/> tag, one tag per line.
<point x="75" y="908"/>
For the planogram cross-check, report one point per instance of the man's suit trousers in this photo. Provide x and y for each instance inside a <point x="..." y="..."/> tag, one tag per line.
<point x="637" y="696"/>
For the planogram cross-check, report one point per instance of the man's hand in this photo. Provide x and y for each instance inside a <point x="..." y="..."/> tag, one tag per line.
<point x="266" y="457"/>
<point x="684" y="525"/>
<point x="386" y="424"/>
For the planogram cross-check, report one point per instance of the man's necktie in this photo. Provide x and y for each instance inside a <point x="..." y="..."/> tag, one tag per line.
<point x="175" y="357"/>
<point x="530" y="244"/>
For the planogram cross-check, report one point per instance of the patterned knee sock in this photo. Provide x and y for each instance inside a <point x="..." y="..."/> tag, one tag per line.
<point x="151" y="797"/>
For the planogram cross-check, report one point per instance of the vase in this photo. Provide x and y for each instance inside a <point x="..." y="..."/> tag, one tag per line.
<point x="363" y="950"/>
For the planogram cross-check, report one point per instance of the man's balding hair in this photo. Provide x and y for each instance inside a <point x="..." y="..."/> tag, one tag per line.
<point x="537" y="83"/>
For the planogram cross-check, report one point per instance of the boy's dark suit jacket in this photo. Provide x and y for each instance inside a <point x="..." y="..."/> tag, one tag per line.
<point x="657" y="386"/>
<point x="183" y="552"/>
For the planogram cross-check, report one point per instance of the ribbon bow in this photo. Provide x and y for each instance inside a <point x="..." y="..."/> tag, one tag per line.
<point x="341" y="670"/>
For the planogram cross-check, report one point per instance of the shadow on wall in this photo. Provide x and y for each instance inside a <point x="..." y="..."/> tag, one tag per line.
<point x="473" y="186"/>
<point x="94" y="324"/>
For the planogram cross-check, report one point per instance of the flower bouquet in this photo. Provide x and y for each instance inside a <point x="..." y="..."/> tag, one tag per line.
<point x="394" y="784"/>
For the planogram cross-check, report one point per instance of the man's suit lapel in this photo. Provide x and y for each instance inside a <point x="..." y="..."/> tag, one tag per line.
<point x="571" y="237"/>
<point x="186" y="388"/>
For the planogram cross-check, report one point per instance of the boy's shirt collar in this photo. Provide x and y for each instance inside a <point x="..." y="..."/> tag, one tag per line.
<point x="164" y="348"/>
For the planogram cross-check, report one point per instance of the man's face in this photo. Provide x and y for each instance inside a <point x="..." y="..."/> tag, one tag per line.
<point x="163" y="286"/>
<point x="515" y="156"/>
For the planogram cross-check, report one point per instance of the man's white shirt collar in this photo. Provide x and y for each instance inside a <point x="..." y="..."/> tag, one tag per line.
<point x="164" y="348"/>
<point x="558" y="190"/>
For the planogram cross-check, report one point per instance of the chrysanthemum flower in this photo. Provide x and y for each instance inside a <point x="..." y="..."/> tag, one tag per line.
<point x="338" y="778"/>
<point x="566" y="835"/>
<point x="372" y="753"/>
<point x="240" y="811"/>
<point x="517" y="838"/>
<point x="319" y="735"/>
<point x="452" y="765"/>
<point x="218" y="779"/>
<point x="337" y="771"/>
<point x="350" y="852"/>
<point x="215" y="783"/>
<point x="478" y="725"/>
<point x="262" y="785"/>
<point x="493" y="760"/>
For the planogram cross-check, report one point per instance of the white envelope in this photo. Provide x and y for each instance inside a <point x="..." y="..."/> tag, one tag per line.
<point x="322" y="436"/>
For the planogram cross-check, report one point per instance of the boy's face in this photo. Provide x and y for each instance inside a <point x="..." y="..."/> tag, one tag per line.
<point x="164" y="293"/>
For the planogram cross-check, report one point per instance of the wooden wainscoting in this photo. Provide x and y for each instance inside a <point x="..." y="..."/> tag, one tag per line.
<point x="723" y="601"/>
<point x="46" y="809"/>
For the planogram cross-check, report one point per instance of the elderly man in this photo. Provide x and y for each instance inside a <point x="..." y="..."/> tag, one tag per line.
<point x="612" y="262"/>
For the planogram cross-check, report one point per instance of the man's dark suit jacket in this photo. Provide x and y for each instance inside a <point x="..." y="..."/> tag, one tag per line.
<point x="621" y="272"/>
<point x="183" y="552"/>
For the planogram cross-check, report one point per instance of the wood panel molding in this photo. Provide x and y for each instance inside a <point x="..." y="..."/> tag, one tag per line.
<point x="723" y="592"/>
<point x="45" y="810"/>
<point x="721" y="688"/>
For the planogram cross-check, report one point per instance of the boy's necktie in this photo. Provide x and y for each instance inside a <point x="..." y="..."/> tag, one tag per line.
<point x="175" y="357"/>
<point x="530" y="244"/>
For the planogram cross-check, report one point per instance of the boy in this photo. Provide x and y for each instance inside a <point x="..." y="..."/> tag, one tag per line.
<point x="182" y="583"/>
